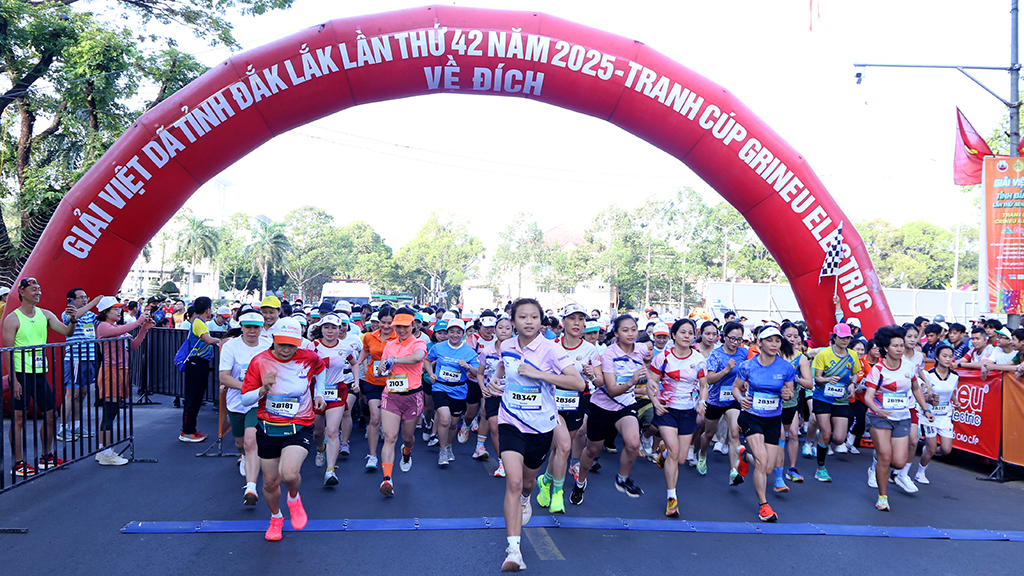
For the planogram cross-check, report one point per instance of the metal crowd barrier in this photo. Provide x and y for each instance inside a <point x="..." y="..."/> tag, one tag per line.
<point x="161" y="376"/>
<point x="48" y="432"/>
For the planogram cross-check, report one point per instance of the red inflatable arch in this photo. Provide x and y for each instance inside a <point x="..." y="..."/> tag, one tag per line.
<point x="245" y="101"/>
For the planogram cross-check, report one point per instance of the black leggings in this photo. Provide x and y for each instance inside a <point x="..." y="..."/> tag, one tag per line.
<point x="110" y="410"/>
<point x="860" y="411"/>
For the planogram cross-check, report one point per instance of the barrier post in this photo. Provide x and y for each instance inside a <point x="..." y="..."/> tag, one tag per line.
<point x="221" y="431"/>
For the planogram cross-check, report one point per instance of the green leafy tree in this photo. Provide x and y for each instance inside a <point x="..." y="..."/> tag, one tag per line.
<point x="316" y="249"/>
<point x="231" y="261"/>
<point x="521" y="249"/>
<point x="367" y="257"/>
<point x="439" y="258"/>
<point x="197" y="241"/>
<point x="269" y="248"/>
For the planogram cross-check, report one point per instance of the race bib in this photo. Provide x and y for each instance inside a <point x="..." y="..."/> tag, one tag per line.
<point x="894" y="400"/>
<point x="524" y="396"/>
<point x="445" y="374"/>
<point x="941" y="409"/>
<point x="89" y="331"/>
<point x="331" y="393"/>
<point x="762" y="402"/>
<point x="39" y="363"/>
<point x="282" y="406"/>
<point x="725" y="394"/>
<point x="567" y="400"/>
<point x="245" y="368"/>
<point x="398" y="383"/>
<point x="835" y="390"/>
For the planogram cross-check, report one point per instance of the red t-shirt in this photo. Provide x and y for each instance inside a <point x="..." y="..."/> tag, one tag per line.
<point x="289" y="399"/>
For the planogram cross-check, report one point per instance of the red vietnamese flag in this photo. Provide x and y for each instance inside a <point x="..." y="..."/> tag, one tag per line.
<point x="970" y="150"/>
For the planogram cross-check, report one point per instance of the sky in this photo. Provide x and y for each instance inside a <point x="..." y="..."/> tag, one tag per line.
<point x="883" y="148"/>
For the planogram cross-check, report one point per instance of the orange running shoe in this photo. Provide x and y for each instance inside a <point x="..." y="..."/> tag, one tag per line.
<point x="298" y="513"/>
<point x="766" y="514"/>
<point x="744" y="467"/>
<point x="274" y="532"/>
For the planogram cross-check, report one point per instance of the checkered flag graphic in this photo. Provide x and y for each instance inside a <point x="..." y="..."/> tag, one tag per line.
<point x="834" y="254"/>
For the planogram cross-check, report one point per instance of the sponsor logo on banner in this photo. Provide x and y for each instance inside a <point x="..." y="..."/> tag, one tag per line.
<point x="977" y="424"/>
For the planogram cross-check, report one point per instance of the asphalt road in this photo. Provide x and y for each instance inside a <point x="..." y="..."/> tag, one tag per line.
<point x="75" y="515"/>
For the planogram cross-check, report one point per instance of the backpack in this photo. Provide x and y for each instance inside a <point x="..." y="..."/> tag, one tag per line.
<point x="185" y="352"/>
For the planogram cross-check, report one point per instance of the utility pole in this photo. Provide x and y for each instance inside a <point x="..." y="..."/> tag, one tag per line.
<point x="1013" y="105"/>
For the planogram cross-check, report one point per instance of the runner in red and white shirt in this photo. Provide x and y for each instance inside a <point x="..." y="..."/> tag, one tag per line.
<point x="677" y="388"/>
<point x="279" y="380"/>
<point x="338" y="356"/>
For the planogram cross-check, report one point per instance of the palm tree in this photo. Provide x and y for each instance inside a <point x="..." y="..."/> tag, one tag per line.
<point x="198" y="240"/>
<point x="268" y="249"/>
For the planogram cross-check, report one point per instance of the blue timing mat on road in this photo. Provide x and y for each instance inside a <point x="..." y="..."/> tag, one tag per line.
<point x="409" y="524"/>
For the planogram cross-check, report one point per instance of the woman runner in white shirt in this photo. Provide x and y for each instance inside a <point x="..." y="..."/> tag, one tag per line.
<point x="942" y="383"/>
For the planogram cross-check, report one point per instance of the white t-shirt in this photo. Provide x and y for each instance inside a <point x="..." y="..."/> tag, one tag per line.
<point x="1002" y="358"/>
<point x="235" y="356"/>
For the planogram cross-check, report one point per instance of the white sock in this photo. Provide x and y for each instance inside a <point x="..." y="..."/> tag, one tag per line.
<point x="921" y="468"/>
<point x="874" y="461"/>
<point x="513" y="543"/>
<point x="250" y="486"/>
<point x="278" y="515"/>
<point x="672" y="493"/>
<point x="905" y="471"/>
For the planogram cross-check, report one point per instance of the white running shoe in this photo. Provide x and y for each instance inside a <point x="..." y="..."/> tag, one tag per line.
<point x="842" y="449"/>
<point x="321" y="458"/>
<point x="646" y="445"/>
<point x="513" y="562"/>
<point x="721" y="448"/>
<point x="921" y="478"/>
<point x="406" y="463"/>
<point x="527" y="509"/>
<point x="442" y="458"/>
<point x="241" y="464"/>
<point x="451" y="453"/>
<point x="371" y="463"/>
<point x="500" y="472"/>
<point x="872" y="481"/>
<point x="111" y="459"/>
<point x="906" y="483"/>
<point x="853" y="449"/>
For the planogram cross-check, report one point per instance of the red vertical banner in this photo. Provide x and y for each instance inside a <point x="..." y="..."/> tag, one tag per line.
<point x="1004" y="225"/>
<point x="1013" y="417"/>
<point x="978" y="423"/>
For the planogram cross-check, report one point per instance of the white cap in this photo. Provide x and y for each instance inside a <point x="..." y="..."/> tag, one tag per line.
<point x="944" y="325"/>
<point x="661" y="328"/>
<point x="488" y="321"/>
<point x="251" y="319"/>
<point x="768" y="333"/>
<point x="4" y="291"/>
<point x="374" y="317"/>
<point x="853" y="322"/>
<point x="343" y="306"/>
<point x="223" y="311"/>
<point x="108" y="302"/>
<point x="448" y="315"/>
<point x="332" y="319"/>
<point x="457" y="323"/>
<point x="574" y="308"/>
<point x="288" y="331"/>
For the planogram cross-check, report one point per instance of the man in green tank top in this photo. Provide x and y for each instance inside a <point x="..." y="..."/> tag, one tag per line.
<point x="26" y="326"/>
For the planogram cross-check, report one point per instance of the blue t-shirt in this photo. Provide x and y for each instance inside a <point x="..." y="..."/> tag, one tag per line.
<point x="85" y="329"/>
<point x="720" y="393"/>
<point x="450" y="377"/>
<point x="764" y="384"/>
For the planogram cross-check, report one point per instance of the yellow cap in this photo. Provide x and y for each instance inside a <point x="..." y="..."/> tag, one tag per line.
<point x="270" y="302"/>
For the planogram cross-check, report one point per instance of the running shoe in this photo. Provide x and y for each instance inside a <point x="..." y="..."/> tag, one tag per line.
<point x="387" y="488"/>
<point x="500" y="471"/>
<point x="872" y="481"/>
<point x="66" y="435"/>
<point x="830" y="452"/>
<point x="442" y="458"/>
<point x="112" y="459"/>
<point x="406" y="463"/>
<point x="463" y="433"/>
<point x="735" y="479"/>
<point x="543" y="491"/>
<point x="274" y="532"/>
<point x="79" y="432"/>
<point x="691" y="458"/>
<point x="345" y="449"/>
<point x="527" y="509"/>
<point x="476" y="423"/>
<point x="744" y="466"/>
<point x="780" y="486"/>
<point x="52" y="461"/>
<point x="298" y="513"/>
<point x="808" y="451"/>
<point x="721" y="448"/>
<point x="557" y="501"/>
<point x="842" y="449"/>
<point x="481" y="453"/>
<point x="241" y="464"/>
<point x="672" y="508"/>
<point x="853" y="449"/>
<point x="921" y="478"/>
<point x="513" y="561"/>
<point x="794" y="476"/>
<point x="646" y="446"/>
<point x="575" y="470"/>
<point x="23" y="470"/>
<point x="433" y="440"/>
<point x="595" y="466"/>
<point x="766" y="514"/>
<point x="906" y="483"/>
<point x="426" y="434"/>
<point x="321" y="457"/>
<point x="249" y="497"/>
<point x="330" y="478"/>
<point x="629" y="488"/>
<point x="702" y="465"/>
<point x="821" y="475"/>
<point x="576" y="496"/>
<point x="196" y="436"/>
<point x="451" y="453"/>
<point x="660" y="460"/>
<point x="883" y="504"/>
<point x="371" y="463"/>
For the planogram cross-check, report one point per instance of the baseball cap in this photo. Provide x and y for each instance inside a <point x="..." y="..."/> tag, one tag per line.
<point x="456" y="323"/>
<point x="441" y="325"/>
<point x="343" y="318"/>
<point x="314" y="313"/>
<point x="343" y="306"/>
<point x="853" y="322"/>
<point x="592" y="326"/>
<point x="288" y="332"/>
<point x="108" y="302"/>
<point x="223" y="311"/>
<point x="5" y="291"/>
<point x="772" y="331"/>
<point x="301" y="318"/>
<point x="270" y="302"/>
<point x="251" y="319"/>
<point x="357" y="316"/>
<point x="573" y="308"/>
<point x="401" y="320"/>
<point x="944" y="325"/>
<point x="661" y="328"/>
<point x="375" y="318"/>
<point x="842" y="331"/>
<point x="449" y="315"/>
<point x="488" y="321"/>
